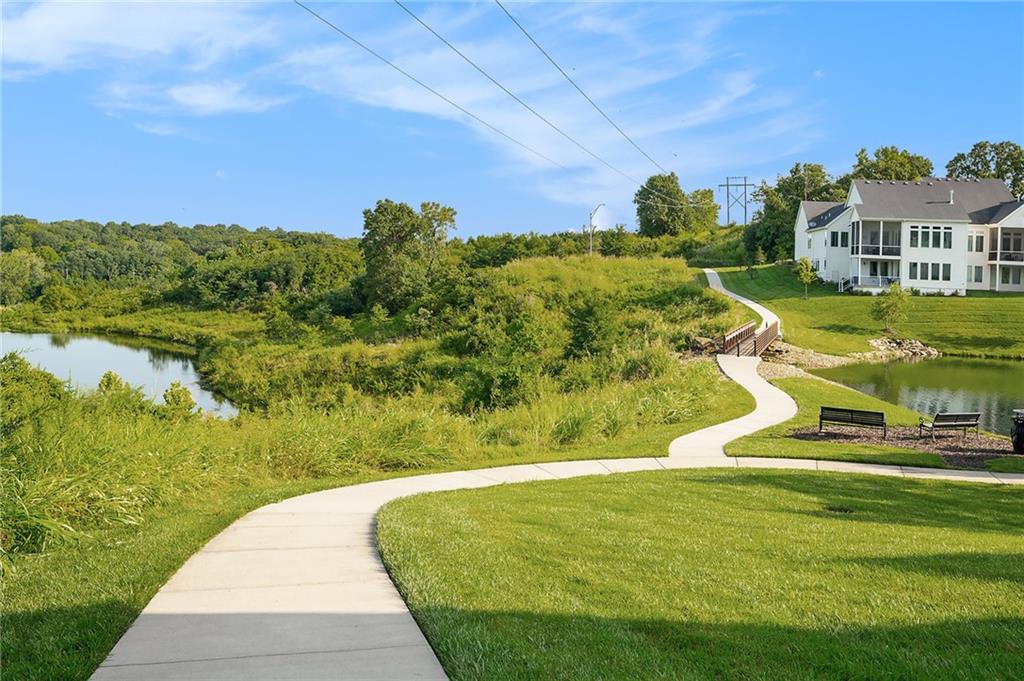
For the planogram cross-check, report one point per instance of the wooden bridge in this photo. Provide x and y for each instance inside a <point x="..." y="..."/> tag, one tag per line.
<point x="747" y="341"/>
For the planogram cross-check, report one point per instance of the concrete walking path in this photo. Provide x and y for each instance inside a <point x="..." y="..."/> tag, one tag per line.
<point x="297" y="590"/>
<point x="767" y="316"/>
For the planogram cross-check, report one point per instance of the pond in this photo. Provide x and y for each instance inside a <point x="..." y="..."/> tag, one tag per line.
<point x="990" y="386"/>
<point x="84" y="359"/>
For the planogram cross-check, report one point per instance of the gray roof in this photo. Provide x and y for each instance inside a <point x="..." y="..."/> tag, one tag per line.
<point x="820" y="213"/>
<point x="974" y="201"/>
<point x="998" y="213"/>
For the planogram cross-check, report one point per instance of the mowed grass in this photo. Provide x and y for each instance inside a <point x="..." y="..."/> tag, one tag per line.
<point x="982" y="324"/>
<point x="810" y="394"/>
<point x="715" y="574"/>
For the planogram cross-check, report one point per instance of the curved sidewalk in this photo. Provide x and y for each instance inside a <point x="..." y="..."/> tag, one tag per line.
<point x="297" y="590"/>
<point x="767" y="316"/>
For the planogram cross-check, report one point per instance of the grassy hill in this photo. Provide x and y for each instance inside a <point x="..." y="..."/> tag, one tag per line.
<point x="981" y="324"/>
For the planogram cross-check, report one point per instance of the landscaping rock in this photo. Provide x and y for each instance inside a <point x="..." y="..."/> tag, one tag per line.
<point x="896" y="348"/>
<point x="784" y="353"/>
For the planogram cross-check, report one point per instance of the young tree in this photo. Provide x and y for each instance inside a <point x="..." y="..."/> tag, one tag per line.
<point x="1004" y="160"/>
<point x="402" y="249"/>
<point x="805" y="273"/>
<point x="890" y="307"/>
<point x="613" y="242"/>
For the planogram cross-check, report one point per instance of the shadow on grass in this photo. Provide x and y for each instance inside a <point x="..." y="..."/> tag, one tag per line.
<point x="901" y="501"/>
<point x="520" y="645"/>
<point x="992" y="567"/>
<point x="473" y="644"/>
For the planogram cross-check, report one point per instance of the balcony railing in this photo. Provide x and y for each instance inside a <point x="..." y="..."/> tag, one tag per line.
<point x="875" y="249"/>
<point x="1006" y="256"/>
<point x="873" y="282"/>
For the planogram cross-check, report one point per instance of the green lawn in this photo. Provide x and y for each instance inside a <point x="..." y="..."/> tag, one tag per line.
<point x="1006" y="464"/>
<point x="980" y="324"/>
<point x="812" y="393"/>
<point x="715" y="574"/>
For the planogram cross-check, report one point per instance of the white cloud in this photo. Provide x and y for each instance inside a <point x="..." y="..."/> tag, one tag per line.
<point x="818" y="74"/>
<point x="70" y="35"/>
<point x="160" y="129"/>
<point x="204" y="99"/>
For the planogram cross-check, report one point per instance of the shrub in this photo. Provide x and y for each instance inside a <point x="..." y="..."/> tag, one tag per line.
<point x="178" y="401"/>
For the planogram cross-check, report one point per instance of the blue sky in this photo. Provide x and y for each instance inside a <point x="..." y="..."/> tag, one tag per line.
<point x="258" y="114"/>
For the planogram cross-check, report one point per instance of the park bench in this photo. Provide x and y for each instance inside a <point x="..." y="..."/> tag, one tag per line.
<point x="852" y="417"/>
<point x="950" y="421"/>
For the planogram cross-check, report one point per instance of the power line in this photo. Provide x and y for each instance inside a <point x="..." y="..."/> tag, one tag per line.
<point x="578" y="88"/>
<point x="513" y="95"/>
<point x="430" y="89"/>
<point x="673" y="204"/>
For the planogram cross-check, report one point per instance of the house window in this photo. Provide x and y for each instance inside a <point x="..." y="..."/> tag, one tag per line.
<point x="808" y="244"/>
<point x="913" y="236"/>
<point x="946" y="272"/>
<point x="978" y="274"/>
<point x="925" y="234"/>
<point x="1016" y="275"/>
<point x="833" y="239"/>
<point x="1005" y="276"/>
<point x="947" y="237"/>
<point x="924" y="271"/>
<point x="935" y="271"/>
<point x="979" y="243"/>
<point x="846" y="239"/>
<point x="913" y="270"/>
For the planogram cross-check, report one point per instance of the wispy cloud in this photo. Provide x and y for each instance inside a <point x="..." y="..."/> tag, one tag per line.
<point x="65" y="36"/>
<point x="666" y="73"/>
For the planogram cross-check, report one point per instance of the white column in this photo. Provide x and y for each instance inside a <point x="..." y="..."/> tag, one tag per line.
<point x="999" y="253"/>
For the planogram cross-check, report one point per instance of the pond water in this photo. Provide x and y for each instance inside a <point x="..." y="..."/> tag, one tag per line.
<point x="990" y="386"/>
<point x="84" y="359"/>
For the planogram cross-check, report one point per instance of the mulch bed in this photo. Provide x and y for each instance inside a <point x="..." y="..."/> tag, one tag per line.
<point x="956" y="450"/>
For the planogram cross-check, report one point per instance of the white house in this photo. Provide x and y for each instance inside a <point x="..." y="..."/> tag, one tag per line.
<point x="937" y="235"/>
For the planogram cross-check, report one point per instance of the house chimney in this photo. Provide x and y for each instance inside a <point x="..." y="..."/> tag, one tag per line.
<point x="951" y="197"/>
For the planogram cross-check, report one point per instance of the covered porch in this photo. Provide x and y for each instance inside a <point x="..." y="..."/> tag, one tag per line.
<point x="873" y="273"/>
<point x="875" y="237"/>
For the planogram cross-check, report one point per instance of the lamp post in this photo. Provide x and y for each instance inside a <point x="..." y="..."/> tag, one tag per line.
<point x="592" y="228"/>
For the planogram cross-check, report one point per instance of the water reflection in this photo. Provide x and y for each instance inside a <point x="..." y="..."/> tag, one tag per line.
<point x="993" y="387"/>
<point x="84" y="359"/>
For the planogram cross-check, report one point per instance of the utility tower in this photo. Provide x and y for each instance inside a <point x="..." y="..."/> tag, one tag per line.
<point x="736" y="193"/>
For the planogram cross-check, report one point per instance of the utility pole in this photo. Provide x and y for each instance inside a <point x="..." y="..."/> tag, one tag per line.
<point x="591" y="227"/>
<point x="736" y="193"/>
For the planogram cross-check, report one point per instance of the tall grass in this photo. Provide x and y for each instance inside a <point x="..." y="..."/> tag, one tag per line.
<point x="75" y="461"/>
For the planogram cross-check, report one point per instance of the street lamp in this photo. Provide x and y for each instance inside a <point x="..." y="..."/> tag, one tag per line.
<point x="592" y="227"/>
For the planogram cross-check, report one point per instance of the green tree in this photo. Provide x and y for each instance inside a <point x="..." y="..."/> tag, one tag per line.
<point x="613" y="241"/>
<point x="805" y="273"/>
<point x="772" y="227"/>
<point x="1004" y="160"/>
<point x="660" y="205"/>
<point x="888" y="163"/>
<point x="402" y="249"/>
<point x="58" y="297"/>
<point x="22" y="275"/>
<point x="890" y="307"/>
<point x="594" y="327"/>
<point x="178" y="401"/>
<point x="110" y="382"/>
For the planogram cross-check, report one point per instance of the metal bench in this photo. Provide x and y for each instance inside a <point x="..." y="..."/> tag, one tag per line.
<point x="950" y="421"/>
<point x="852" y="417"/>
